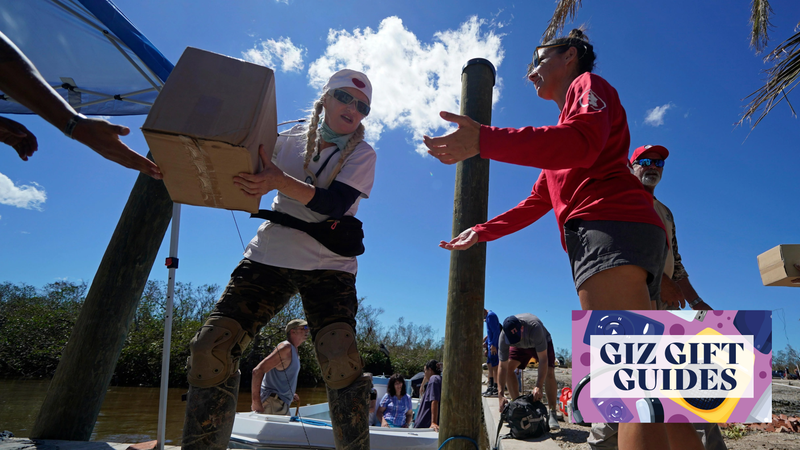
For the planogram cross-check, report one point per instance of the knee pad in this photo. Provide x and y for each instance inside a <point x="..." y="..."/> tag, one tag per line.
<point x="211" y="361"/>
<point x="338" y="355"/>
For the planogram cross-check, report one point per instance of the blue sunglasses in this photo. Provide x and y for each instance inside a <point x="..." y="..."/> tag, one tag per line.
<point x="346" y="98"/>
<point x="645" y="162"/>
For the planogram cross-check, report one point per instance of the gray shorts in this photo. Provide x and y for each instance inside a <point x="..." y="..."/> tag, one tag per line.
<point x="597" y="245"/>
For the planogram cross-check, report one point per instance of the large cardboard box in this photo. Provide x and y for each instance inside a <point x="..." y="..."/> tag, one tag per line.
<point x="777" y="266"/>
<point x="206" y="125"/>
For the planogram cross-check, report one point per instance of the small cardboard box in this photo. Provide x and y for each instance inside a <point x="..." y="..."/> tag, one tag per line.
<point x="777" y="266"/>
<point x="206" y="125"/>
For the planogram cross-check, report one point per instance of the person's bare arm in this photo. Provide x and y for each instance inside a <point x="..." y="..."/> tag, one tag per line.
<point x="435" y="415"/>
<point x="279" y="358"/>
<point x="541" y="375"/>
<point x="502" y="373"/>
<point x="690" y="294"/>
<point x="20" y="80"/>
<point x="272" y="177"/>
<point x="423" y="385"/>
<point x="15" y="135"/>
<point x="671" y="293"/>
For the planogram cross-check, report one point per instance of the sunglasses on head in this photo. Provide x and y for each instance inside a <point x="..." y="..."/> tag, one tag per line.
<point x="645" y="162"/>
<point x="346" y="98"/>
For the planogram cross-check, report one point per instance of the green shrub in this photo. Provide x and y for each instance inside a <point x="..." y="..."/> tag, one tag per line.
<point x="35" y="326"/>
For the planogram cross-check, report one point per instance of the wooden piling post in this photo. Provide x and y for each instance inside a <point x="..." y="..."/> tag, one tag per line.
<point x="87" y="363"/>
<point x="460" y="409"/>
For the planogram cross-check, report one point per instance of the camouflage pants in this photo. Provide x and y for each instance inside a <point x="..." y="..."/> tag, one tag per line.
<point x="255" y="293"/>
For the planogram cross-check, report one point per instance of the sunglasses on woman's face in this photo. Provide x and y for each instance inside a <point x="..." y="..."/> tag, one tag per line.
<point x="346" y="98"/>
<point x="645" y="162"/>
<point x="538" y="55"/>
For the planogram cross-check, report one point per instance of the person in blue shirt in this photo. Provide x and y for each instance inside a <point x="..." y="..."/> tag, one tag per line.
<point x="430" y="397"/>
<point x="492" y="333"/>
<point x="395" y="409"/>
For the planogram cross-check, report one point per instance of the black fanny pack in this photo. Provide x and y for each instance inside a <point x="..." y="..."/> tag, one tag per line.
<point x="343" y="236"/>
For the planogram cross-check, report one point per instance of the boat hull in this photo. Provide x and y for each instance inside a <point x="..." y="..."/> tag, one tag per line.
<point x="313" y="430"/>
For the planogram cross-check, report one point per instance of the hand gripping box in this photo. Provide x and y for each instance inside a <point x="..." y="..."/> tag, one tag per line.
<point x="206" y="125"/>
<point x="777" y="266"/>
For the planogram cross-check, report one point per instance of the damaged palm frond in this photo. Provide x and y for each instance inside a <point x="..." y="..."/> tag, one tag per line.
<point x="782" y="78"/>
<point x="564" y="9"/>
<point x="759" y="19"/>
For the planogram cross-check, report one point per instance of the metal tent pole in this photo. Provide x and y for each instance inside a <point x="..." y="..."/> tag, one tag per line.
<point x="172" y="265"/>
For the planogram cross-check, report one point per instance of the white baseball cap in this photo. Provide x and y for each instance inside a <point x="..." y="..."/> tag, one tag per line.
<point x="352" y="79"/>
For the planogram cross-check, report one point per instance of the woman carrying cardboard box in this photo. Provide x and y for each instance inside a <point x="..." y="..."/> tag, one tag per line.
<point x="308" y="247"/>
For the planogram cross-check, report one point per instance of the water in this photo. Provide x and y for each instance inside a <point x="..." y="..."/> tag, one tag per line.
<point x="128" y="415"/>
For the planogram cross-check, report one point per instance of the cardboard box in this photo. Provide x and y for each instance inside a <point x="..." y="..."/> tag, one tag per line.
<point x="777" y="266"/>
<point x="206" y="125"/>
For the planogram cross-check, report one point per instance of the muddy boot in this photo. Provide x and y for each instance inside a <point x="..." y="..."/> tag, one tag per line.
<point x="209" y="416"/>
<point x="349" y="409"/>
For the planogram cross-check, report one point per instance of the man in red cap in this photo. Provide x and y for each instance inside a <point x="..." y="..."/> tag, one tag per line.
<point x="676" y="290"/>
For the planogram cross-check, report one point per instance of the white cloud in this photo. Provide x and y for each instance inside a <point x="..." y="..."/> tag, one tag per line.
<point x="412" y="81"/>
<point x="497" y="23"/>
<point x="655" y="116"/>
<point x="273" y="52"/>
<point x="22" y="196"/>
<point x="282" y="1"/>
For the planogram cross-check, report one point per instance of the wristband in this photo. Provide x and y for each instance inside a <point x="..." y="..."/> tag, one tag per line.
<point x="694" y="302"/>
<point x="73" y="122"/>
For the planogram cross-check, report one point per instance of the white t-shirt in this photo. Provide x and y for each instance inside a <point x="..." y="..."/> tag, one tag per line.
<point x="280" y="246"/>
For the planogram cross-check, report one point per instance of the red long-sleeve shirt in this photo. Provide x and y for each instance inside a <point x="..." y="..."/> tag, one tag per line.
<point x="584" y="161"/>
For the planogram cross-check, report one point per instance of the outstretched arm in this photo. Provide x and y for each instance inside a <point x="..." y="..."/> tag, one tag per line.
<point x="20" y="80"/>
<point x="18" y="137"/>
<point x="525" y="213"/>
<point x="528" y="211"/>
<point x="459" y="145"/>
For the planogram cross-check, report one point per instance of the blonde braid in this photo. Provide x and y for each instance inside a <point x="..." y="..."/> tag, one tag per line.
<point x="355" y="139"/>
<point x="312" y="139"/>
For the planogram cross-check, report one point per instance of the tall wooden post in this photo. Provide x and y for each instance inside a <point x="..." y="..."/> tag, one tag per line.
<point x="460" y="405"/>
<point x="79" y="386"/>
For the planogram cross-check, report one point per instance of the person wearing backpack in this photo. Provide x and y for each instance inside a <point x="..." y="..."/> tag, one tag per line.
<point x="529" y="337"/>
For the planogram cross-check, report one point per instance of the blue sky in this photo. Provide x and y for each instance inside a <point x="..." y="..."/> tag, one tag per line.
<point x="681" y="69"/>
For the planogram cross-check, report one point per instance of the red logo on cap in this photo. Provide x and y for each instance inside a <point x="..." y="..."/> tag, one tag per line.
<point x="359" y="84"/>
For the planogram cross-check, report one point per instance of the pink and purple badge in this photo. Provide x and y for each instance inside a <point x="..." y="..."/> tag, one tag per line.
<point x="671" y="366"/>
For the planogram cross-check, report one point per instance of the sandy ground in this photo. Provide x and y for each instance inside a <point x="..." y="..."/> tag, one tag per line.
<point x="785" y="400"/>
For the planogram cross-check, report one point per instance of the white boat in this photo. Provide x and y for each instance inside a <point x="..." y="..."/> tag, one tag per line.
<point x="311" y="428"/>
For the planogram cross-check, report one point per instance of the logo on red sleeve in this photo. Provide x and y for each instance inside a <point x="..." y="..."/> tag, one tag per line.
<point x="590" y="100"/>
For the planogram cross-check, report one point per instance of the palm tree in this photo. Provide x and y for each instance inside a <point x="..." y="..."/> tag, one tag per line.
<point x="782" y="77"/>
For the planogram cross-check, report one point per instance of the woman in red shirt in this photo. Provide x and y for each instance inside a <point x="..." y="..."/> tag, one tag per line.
<point x="586" y="179"/>
<point x="615" y="240"/>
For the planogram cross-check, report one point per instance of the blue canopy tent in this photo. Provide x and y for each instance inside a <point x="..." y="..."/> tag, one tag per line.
<point x="89" y="52"/>
<point x="94" y="57"/>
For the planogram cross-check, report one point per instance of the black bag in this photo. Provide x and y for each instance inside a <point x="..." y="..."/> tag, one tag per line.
<point x="526" y="418"/>
<point x="343" y="236"/>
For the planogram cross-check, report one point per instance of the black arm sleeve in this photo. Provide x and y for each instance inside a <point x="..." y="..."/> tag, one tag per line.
<point x="334" y="201"/>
